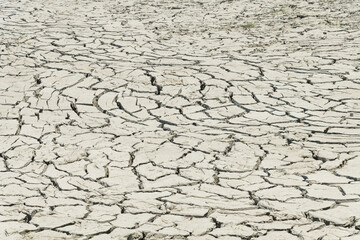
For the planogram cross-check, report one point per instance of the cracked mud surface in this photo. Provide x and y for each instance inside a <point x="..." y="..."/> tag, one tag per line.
<point x="179" y="120"/>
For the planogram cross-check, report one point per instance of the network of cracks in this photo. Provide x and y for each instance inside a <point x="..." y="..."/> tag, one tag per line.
<point x="185" y="119"/>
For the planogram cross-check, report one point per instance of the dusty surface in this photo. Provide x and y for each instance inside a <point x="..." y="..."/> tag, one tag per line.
<point x="179" y="120"/>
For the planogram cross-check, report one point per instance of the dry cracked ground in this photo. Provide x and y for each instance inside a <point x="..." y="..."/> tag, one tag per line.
<point x="193" y="119"/>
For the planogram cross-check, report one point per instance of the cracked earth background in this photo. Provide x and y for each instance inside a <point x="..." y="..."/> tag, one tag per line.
<point x="179" y="120"/>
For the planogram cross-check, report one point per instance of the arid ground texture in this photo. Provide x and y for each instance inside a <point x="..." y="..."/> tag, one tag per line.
<point x="192" y="119"/>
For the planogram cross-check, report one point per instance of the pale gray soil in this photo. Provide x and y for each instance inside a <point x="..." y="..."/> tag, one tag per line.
<point x="179" y="119"/>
